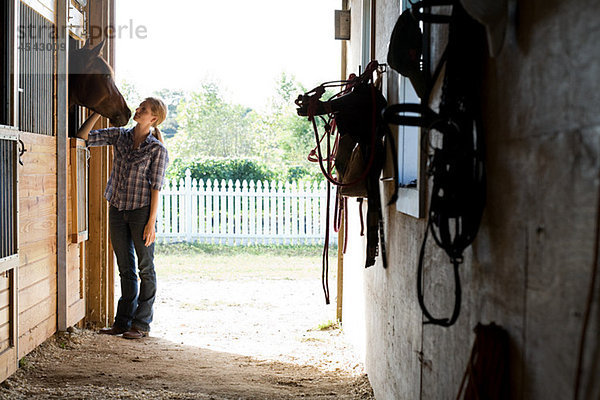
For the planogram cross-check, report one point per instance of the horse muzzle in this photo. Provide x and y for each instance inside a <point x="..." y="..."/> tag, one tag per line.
<point x="121" y="119"/>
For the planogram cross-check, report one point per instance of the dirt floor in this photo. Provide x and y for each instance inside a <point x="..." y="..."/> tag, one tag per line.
<point x="211" y="339"/>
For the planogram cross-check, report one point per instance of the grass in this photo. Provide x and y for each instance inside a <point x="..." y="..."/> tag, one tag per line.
<point x="329" y="325"/>
<point x="222" y="262"/>
<point x="257" y="249"/>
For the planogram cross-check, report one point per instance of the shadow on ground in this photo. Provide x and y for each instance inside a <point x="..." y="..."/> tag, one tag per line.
<point x="85" y="365"/>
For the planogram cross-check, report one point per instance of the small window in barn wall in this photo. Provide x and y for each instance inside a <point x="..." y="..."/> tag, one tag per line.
<point x="410" y="165"/>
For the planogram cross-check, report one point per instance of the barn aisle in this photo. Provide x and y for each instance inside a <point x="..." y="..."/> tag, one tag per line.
<point x="85" y="365"/>
<point x="217" y="335"/>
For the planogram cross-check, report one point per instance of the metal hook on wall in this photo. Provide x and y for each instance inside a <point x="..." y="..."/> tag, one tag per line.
<point x="22" y="151"/>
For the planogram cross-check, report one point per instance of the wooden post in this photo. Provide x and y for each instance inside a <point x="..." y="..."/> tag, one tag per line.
<point x="188" y="204"/>
<point x="100" y="259"/>
<point x="196" y="219"/>
<point x="252" y="208"/>
<point x="62" y="121"/>
<point x="341" y="237"/>
<point x="344" y="46"/>
<point x="340" y="270"/>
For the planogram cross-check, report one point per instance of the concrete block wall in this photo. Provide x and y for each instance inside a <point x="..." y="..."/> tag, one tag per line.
<point x="530" y="266"/>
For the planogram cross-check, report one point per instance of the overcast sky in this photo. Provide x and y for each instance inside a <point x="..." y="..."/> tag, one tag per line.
<point x="244" y="45"/>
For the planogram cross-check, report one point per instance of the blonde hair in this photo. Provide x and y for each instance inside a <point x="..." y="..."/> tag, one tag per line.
<point x="159" y="110"/>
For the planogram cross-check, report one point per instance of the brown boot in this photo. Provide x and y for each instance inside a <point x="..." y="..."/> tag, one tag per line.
<point x="113" y="330"/>
<point x="134" y="333"/>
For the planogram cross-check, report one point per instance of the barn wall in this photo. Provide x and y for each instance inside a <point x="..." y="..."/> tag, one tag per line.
<point x="51" y="277"/>
<point x="37" y="246"/>
<point x="530" y="266"/>
<point x="40" y="205"/>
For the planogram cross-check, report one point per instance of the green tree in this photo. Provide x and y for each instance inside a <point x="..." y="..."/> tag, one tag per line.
<point x="293" y="134"/>
<point x="171" y="98"/>
<point x="132" y="97"/>
<point x="211" y="127"/>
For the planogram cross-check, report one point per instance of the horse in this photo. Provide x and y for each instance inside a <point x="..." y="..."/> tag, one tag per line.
<point x="92" y="85"/>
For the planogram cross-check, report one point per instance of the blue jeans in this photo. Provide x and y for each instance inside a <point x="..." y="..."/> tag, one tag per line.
<point x="126" y="232"/>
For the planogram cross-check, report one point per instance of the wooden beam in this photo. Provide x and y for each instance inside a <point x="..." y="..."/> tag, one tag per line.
<point x="110" y="258"/>
<point x="99" y="266"/>
<point x="341" y="238"/>
<point x="340" y="271"/>
<point x="344" y="55"/>
<point x="62" y="117"/>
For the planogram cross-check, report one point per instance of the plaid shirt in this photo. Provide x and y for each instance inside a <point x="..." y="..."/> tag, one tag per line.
<point x="135" y="172"/>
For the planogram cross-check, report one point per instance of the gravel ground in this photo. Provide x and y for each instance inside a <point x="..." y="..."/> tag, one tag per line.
<point x="211" y="339"/>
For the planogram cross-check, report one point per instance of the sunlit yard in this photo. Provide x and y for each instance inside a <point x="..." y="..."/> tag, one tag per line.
<point x="263" y="301"/>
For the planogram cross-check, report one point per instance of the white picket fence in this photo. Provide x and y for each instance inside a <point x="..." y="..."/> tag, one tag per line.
<point x="242" y="213"/>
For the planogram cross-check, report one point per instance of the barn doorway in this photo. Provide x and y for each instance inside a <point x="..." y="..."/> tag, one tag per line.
<point x="221" y="285"/>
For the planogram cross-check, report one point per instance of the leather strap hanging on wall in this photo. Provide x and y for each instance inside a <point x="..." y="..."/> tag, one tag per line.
<point x="456" y="168"/>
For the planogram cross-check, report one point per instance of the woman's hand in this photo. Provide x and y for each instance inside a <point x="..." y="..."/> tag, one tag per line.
<point x="149" y="230"/>
<point x="149" y="233"/>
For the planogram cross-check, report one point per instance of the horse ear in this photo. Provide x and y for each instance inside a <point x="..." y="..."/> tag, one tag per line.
<point x="98" y="49"/>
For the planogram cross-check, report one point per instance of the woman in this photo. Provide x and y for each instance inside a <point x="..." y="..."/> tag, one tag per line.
<point x="140" y="160"/>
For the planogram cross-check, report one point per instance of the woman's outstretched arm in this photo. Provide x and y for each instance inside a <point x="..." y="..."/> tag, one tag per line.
<point x="87" y="126"/>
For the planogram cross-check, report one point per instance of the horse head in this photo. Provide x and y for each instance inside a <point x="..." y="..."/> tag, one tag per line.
<point x="92" y="85"/>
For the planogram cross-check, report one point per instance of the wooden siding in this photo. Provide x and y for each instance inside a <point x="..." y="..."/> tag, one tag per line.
<point x="38" y="249"/>
<point x="5" y="312"/>
<point x="8" y="351"/>
<point x="37" y="242"/>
